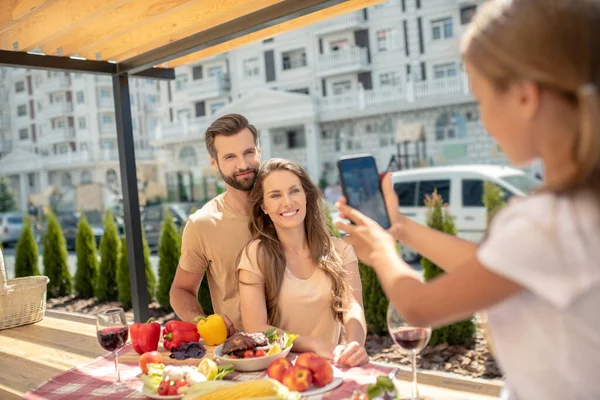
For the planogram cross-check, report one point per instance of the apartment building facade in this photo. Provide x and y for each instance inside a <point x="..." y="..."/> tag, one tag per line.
<point x="357" y="83"/>
<point x="345" y="86"/>
<point x="61" y="138"/>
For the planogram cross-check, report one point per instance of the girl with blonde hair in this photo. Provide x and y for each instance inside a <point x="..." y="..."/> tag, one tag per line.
<point x="534" y="68"/>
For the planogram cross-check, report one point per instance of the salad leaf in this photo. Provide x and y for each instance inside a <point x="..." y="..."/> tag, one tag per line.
<point x="223" y="371"/>
<point x="151" y="381"/>
<point x="384" y="388"/>
<point x="271" y="335"/>
<point x="288" y="339"/>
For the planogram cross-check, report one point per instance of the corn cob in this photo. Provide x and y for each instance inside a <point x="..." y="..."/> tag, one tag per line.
<point x="260" y="388"/>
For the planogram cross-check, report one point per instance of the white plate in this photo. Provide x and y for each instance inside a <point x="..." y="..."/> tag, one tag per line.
<point x="338" y="378"/>
<point x="153" y="395"/>
<point x="250" y="364"/>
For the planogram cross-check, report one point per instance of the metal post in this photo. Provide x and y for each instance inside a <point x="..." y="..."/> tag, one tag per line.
<point x="131" y="204"/>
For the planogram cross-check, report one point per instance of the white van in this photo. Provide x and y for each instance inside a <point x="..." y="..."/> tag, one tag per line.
<point x="461" y="186"/>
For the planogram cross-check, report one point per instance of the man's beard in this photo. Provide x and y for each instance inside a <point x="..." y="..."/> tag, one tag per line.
<point x="246" y="184"/>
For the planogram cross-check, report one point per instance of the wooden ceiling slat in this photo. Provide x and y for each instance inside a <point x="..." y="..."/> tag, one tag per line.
<point x="128" y="17"/>
<point x="12" y="11"/>
<point x="184" y="22"/>
<point x="288" y="26"/>
<point x="52" y="21"/>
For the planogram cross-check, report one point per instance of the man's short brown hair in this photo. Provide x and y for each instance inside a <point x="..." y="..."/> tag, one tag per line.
<point x="227" y="125"/>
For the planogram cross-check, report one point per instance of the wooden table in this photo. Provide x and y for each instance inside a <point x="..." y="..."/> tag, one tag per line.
<point x="33" y="354"/>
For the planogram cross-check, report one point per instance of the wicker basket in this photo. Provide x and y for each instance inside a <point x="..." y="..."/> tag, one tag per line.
<point x="22" y="300"/>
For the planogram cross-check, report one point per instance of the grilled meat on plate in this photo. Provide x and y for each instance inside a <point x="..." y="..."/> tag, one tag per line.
<point x="244" y="341"/>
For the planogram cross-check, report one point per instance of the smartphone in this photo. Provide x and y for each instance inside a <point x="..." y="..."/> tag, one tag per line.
<point x="362" y="188"/>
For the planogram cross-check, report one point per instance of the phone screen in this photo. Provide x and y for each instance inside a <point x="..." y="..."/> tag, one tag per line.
<point x="362" y="189"/>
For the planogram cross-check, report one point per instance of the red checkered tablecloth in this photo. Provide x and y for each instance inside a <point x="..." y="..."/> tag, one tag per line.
<point x="93" y="381"/>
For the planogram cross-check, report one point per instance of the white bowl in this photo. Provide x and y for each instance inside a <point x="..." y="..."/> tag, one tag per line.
<point x="250" y="364"/>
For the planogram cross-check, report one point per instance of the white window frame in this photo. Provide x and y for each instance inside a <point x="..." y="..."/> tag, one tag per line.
<point x="346" y="87"/>
<point x="444" y="28"/>
<point x="446" y="70"/>
<point x="251" y="67"/>
<point x="389" y="79"/>
<point x="80" y="97"/>
<point x="385" y="39"/>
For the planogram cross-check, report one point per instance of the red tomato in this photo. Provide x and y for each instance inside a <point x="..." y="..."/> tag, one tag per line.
<point x="180" y="383"/>
<point x="151" y="357"/>
<point x="248" y="354"/>
<point x="163" y="388"/>
<point x="233" y="356"/>
<point x="259" y="353"/>
<point x="172" y="388"/>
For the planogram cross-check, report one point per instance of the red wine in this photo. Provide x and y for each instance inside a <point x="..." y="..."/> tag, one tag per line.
<point x="411" y="338"/>
<point x="113" y="338"/>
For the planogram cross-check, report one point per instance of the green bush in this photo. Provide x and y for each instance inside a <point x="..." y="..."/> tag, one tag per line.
<point x="151" y="283"/>
<point x="123" y="285"/>
<point x="7" y="196"/>
<point x="123" y="281"/>
<point x="438" y="217"/>
<point x="55" y="260"/>
<point x="106" y="284"/>
<point x="169" y="249"/>
<point x="493" y="200"/>
<point x="26" y="256"/>
<point x="87" y="259"/>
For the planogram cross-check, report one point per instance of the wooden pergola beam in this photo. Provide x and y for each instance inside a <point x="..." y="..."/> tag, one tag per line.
<point x="55" y="20"/>
<point x="129" y="17"/>
<point x="13" y="11"/>
<point x="200" y="15"/>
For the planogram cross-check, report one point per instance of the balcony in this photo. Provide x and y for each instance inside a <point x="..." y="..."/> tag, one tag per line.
<point x="208" y="88"/>
<point x="103" y="80"/>
<point x="182" y="130"/>
<point x="410" y="95"/>
<point x="106" y="104"/>
<point x="351" y="20"/>
<point x="57" y="135"/>
<point x="61" y="109"/>
<point x="344" y="61"/>
<point x="66" y="159"/>
<point x="108" y="129"/>
<point x="142" y="153"/>
<point x="55" y="84"/>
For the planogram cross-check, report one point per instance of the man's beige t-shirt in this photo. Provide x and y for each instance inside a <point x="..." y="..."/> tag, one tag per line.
<point x="305" y="304"/>
<point x="213" y="238"/>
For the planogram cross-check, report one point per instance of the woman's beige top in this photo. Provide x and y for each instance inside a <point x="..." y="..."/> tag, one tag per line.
<point x="305" y="304"/>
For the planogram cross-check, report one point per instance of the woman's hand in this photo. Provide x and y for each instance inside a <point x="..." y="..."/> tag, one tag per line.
<point x="351" y="354"/>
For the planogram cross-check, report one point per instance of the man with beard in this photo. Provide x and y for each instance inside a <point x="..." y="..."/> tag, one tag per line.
<point x="215" y="235"/>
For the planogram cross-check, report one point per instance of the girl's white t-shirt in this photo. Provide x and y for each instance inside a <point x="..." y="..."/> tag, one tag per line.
<point x="547" y="337"/>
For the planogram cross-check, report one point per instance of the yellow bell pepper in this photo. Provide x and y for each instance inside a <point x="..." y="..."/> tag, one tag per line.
<point x="212" y="329"/>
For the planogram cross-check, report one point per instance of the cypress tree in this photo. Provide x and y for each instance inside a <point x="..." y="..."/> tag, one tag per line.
<point x="26" y="255"/>
<point x="169" y="250"/>
<point x="55" y="260"/>
<point x="110" y="245"/>
<point x="87" y="259"/>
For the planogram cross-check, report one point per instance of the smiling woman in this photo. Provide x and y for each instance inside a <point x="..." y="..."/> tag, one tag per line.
<point x="294" y="265"/>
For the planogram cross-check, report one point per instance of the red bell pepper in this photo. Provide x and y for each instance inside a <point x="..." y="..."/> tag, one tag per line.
<point x="145" y="337"/>
<point x="177" y="332"/>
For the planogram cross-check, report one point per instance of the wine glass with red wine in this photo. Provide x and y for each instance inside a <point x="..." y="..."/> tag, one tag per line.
<point x="112" y="331"/>
<point x="410" y="339"/>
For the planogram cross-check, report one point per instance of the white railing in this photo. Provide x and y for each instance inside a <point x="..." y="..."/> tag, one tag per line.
<point x="201" y="87"/>
<point x="183" y="128"/>
<point x="143" y="151"/>
<point x="428" y="90"/>
<point x="408" y="93"/>
<point x="60" y="109"/>
<point x="70" y="157"/>
<point x="106" y="103"/>
<point x="57" y="135"/>
<point x="341" y="22"/>
<point x="55" y="83"/>
<point x="352" y="58"/>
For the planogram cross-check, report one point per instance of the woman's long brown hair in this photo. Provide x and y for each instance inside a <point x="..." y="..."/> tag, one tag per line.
<point x="270" y="253"/>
